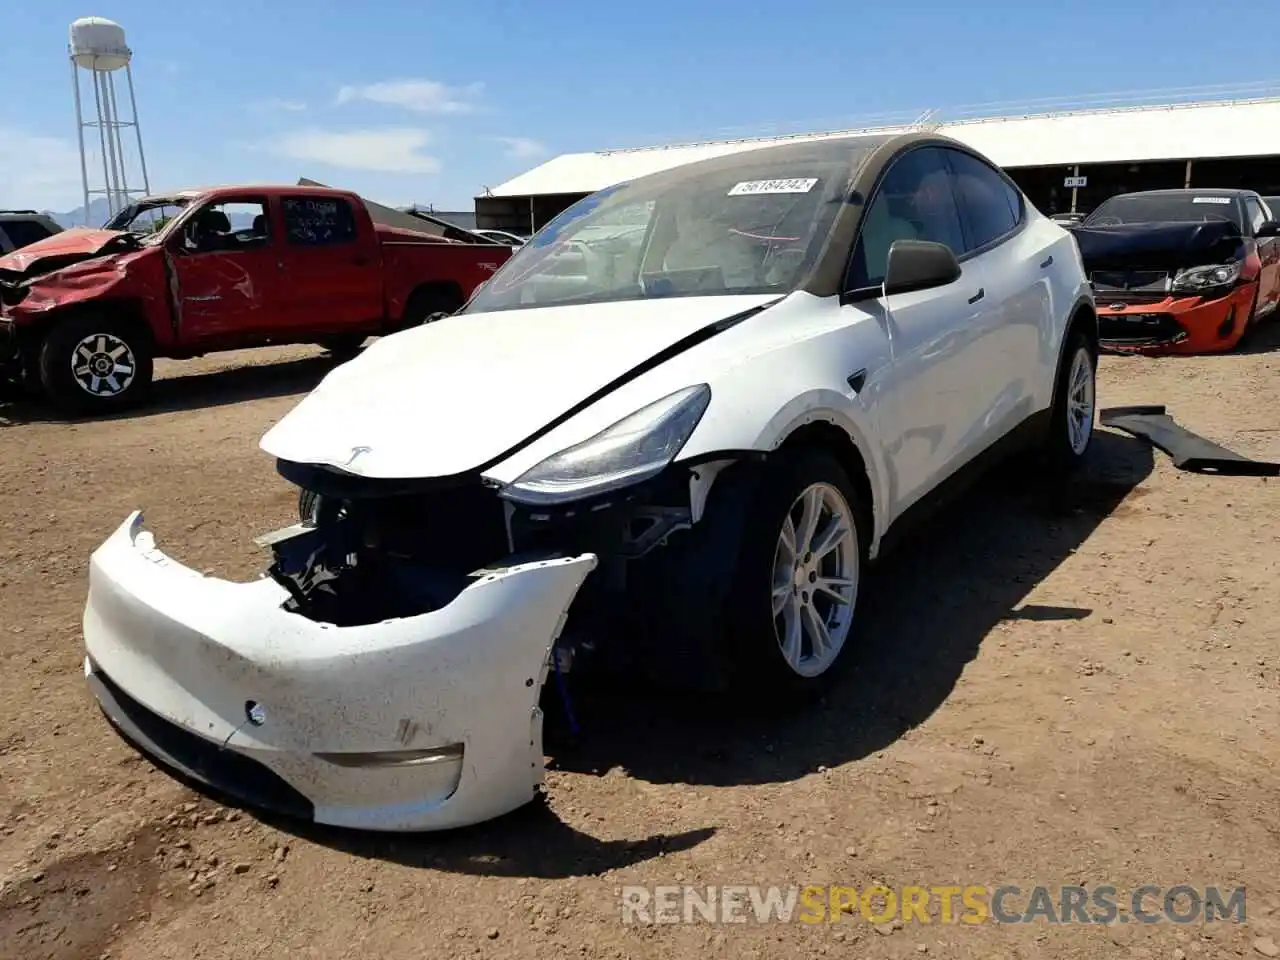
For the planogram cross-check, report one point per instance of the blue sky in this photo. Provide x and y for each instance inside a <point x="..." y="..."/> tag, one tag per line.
<point x="428" y="102"/>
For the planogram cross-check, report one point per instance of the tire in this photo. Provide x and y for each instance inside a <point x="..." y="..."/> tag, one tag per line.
<point x="308" y="506"/>
<point x="93" y="364"/>
<point x="767" y="661"/>
<point x="426" y="303"/>
<point x="1072" y="419"/>
<point x="344" y="346"/>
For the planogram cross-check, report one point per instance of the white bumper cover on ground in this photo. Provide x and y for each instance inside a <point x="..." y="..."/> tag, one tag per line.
<point x="419" y="723"/>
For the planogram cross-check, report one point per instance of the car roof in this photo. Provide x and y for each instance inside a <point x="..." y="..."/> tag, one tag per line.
<point x="271" y="189"/>
<point x="851" y="148"/>
<point x="1191" y="192"/>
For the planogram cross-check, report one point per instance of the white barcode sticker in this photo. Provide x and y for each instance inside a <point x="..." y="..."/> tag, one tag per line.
<point x="794" y="185"/>
<point x="1223" y="200"/>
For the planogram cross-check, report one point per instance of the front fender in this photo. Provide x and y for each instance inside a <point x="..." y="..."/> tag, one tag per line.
<point x="104" y="282"/>
<point x="829" y="406"/>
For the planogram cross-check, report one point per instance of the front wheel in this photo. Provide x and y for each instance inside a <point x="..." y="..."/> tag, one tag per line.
<point x="794" y="597"/>
<point x="92" y="364"/>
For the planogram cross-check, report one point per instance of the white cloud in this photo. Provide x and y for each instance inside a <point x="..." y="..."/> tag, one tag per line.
<point x="276" y="104"/>
<point x="39" y="172"/>
<point x="385" y="149"/>
<point x="522" y="148"/>
<point x="420" y="96"/>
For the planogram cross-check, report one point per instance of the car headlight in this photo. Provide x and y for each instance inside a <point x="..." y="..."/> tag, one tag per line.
<point x="632" y="450"/>
<point x="1197" y="279"/>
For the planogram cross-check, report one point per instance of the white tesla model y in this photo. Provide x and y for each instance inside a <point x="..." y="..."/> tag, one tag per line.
<point x="672" y="429"/>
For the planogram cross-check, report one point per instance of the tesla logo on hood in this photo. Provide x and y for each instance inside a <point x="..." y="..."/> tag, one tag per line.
<point x="357" y="452"/>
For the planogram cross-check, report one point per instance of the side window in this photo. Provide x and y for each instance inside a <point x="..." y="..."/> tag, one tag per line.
<point x="992" y="206"/>
<point x="23" y="232"/>
<point x="913" y="202"/>
<point x="229" y="226"/>
<point x="1257" y="216"/>
<point x="318" y="221"/>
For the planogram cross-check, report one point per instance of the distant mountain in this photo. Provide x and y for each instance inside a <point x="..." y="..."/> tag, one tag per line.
<point x="99" y="212"/>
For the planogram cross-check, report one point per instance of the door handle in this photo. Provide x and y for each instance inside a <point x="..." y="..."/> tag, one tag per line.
<point x="982" y="292"/>
<point x="1047" y="263"/>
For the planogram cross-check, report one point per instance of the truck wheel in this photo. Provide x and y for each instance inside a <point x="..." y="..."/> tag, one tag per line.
<point x="94" y="364"/>
<point x="344" y="346"/>
<point x="426" y="302"/>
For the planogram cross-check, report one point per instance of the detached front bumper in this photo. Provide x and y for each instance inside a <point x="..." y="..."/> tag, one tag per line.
<point x="420" y="723"/>
<point x="1175" y="325"/>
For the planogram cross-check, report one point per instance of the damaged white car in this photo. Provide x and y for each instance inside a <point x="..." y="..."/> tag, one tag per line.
<point x="670" y="432"/>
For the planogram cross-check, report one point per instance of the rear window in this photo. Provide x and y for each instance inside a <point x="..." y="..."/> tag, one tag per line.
<point x="1165" y="208"/>
<point x="23" y="232"/>
<point x="318" y="221"/>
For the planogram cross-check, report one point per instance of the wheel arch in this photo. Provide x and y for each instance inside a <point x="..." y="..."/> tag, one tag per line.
<point x="823" y="434"/>
<point x="124" y="313"/>
<point x="1084" y="318"/>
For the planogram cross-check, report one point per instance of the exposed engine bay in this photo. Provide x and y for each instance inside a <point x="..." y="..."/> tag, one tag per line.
<point x="1156" y="259"/>
<point x="373" y="553"/>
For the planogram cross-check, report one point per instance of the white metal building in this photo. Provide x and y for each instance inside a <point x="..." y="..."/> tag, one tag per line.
<point x="1217" y="143"/>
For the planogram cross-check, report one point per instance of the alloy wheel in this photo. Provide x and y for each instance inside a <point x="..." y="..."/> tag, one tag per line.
<point x="103" y="365"/>
<point x="815" y="579"/>
<point x="1080" y="401"/>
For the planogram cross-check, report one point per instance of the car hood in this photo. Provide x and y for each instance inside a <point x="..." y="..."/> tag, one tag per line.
<point x="1157" y="246"/>
<point x="63" y="249"/>
<point x="466" y="391"/>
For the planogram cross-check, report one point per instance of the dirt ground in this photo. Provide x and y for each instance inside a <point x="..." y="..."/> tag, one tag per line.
<point x="1051" y="691"/>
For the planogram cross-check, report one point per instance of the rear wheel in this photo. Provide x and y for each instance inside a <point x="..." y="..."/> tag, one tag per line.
<point x="94" y="364"/>
<point x="1074" y="406"/>
<point x="429" y="303"/>
<point x="344" y="346"/>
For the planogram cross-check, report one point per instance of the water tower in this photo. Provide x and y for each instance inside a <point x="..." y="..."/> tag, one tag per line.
<point x="98" y="47"/>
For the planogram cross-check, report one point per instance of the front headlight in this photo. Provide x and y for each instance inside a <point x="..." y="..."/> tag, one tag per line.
<point x="1199" y="279"/>
<point x="632" y="450"/>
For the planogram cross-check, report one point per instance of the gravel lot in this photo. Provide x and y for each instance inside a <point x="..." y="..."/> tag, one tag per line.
<point x="1057" y="691"/>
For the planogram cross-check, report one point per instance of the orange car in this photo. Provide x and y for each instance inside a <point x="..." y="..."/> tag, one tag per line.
<point x="1180" y="271"/>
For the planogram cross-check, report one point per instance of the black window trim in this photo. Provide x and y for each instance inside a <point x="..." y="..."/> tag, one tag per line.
<point x="340" y="198"/>
<point x="855" y="294"/>
<point x="1019" y="225"/>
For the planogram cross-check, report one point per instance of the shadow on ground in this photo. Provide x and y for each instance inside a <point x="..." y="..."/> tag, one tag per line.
<point x="216" y="388"/>
<point x="531" y="842"/>
<point x="935" y="601"/>
<point x="931" y="604"/>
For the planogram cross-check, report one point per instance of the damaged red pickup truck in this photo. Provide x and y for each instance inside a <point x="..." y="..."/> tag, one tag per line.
<point x="84" y="313"/>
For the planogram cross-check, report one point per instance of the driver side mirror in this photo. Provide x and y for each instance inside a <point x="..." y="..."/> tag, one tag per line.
<point x="1268" y="229"/>
<point x="919" y="265"/>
